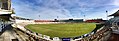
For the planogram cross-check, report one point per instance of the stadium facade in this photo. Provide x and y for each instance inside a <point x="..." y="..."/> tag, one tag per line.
<point x="116" y="14"/>
<point x="5" y="13"/>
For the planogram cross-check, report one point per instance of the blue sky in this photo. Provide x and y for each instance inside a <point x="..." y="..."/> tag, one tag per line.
<point x="50" y="9"/>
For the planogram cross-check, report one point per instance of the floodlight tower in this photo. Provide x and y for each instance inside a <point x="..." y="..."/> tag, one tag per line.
<point x="39" y="16"/>
<point x="57" y="17"/>
<point x="84" y="17"/>
<point x="82" y="6"/>
<point x="107" y="15"/>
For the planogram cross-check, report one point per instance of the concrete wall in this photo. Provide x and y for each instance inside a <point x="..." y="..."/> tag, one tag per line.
<point x="24" y="21"/>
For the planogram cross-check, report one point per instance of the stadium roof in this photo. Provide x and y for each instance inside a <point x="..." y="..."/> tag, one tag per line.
<point x="115" y="14"/>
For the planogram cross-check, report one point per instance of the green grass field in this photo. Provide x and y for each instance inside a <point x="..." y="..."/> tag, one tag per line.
<point x="62" y="30"/>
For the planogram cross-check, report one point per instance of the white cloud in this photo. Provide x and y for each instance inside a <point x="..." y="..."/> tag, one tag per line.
<point x="53" y="13"/>
<point x="27" y="10"/>
<point x="116" y="2"/>
<point x="50" y="9"/>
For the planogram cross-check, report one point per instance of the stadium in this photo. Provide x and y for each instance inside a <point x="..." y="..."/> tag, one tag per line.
<point x="14" y="28"/>
<point x="62" y="29"/>
<point x="71" y="29"/>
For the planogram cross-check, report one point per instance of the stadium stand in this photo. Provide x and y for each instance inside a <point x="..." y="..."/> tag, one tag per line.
<point x="95" y="21"/>
<point x="71" y="20"/>
<point x="80" y="38"/>
<point x="99" y="34"/>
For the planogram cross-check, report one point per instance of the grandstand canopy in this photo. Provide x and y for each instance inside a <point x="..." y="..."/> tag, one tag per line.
<point x="116" y="14"/>
<point x="6" y="10"/>
<point x="5" y="4"/>
<point x="5" y="17"/>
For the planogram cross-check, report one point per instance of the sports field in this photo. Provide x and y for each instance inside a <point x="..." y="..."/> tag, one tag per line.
<point x="62" y="30"/>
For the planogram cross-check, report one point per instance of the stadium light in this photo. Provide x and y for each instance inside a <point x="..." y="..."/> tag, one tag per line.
<point x="39" y="16"/>
<point x="107" y="14"/>
<point x="84" y="17"/>
<point x="57" y="17"/>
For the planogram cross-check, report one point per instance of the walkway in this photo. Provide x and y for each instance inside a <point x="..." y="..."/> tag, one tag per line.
<point x="8" y="34"/>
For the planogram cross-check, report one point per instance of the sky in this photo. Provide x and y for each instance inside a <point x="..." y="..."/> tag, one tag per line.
<point x="64" y="9"/>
